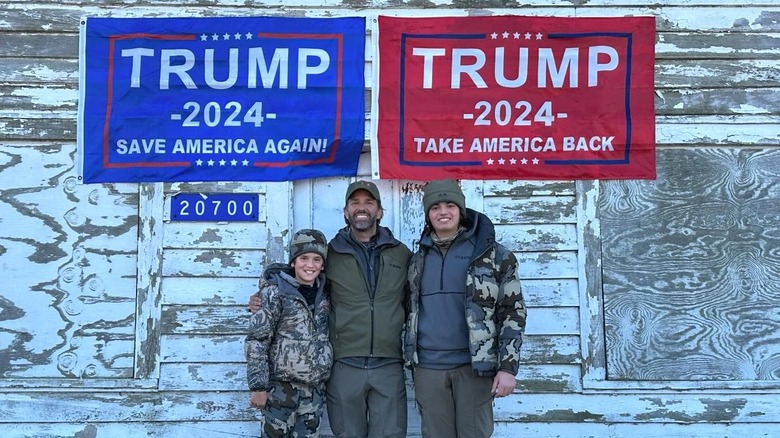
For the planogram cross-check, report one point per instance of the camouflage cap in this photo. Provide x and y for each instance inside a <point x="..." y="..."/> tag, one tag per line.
<point x="368" y="186"/>
<point x="308" y="240"/>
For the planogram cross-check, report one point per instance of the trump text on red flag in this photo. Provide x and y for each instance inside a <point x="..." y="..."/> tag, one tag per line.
<point x="514" y="97"/>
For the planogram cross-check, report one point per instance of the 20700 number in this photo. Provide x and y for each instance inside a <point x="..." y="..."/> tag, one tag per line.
<point x="231" y="207"/>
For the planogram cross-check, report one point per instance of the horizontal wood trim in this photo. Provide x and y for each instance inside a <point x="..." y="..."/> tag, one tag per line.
<point x="550" y="349"/>
<point x="75" y="383"/>
<point x="232" y="377"/>
<point x="682" y="16"/>
<point x="716" y="45"/>
<point x="671" y="44"/>
<point x="558" y="379"/>
<point x="212" y="235"/>
<point x="536" y="350"/>
<point x="501" y="429"/>
<point x="644" y="407"/>
<point x="39" y="71"/>
<point x="36" y="97"/>
<point x="597" y="385"/>
<point x="178" y="406"/>
<point x="212" y="291"/>
<point x="226" y="320"/>
<point x="213" y="263"/>
<point x="222" y="320"/>
<point x="540" y="237"/>
<point x="202" y="348"/>
<point x="550" y="265"/>
<point x="542" y="292"/>
<point x="716" y="101"/>
<point x="126" y="406"/>
<point x="525" y="189"/>
<point x="553" y="321"/>
<point x="715" y="73"/>
<point x="184" y="429"/>
<point x="582" y="429"/>
<point x="533" y="210"/>
<point x="509" y="429"/>
<point x="171" y="188"/>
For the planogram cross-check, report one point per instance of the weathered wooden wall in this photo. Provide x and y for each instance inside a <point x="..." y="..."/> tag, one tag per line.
<point x="651" y="304"/>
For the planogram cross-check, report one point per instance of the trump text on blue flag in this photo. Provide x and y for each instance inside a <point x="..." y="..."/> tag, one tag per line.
<point x="256" y="98"/>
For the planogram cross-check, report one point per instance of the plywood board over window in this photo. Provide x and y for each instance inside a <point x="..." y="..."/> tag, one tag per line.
<point x="691" y="269"/>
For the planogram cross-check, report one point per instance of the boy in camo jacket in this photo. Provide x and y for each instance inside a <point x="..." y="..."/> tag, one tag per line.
<point x="289" y="356"/>
<point x="466" y="317"/>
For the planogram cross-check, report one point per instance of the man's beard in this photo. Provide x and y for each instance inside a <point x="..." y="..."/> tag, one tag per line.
<point x="362" y="224"/>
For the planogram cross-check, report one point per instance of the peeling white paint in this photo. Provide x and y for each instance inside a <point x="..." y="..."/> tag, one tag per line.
<point x="670" y="48"/>
<point x="749" y="109"/>
<point x="49" y="96"/>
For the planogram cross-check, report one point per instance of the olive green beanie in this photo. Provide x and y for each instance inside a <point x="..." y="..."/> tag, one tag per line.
<point x="443" y="190"/>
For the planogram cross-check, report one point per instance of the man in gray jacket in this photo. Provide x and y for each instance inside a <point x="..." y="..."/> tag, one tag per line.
<point x="366" y="280"/>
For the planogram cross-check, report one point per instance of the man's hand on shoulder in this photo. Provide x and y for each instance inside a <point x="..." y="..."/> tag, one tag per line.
<point x="254" y="303"/>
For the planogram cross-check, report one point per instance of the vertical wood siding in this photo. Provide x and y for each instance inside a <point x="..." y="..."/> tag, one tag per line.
<point x="117" y="322"/>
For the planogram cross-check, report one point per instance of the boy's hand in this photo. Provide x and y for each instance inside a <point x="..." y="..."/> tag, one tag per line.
<point x="503" y="384"/>
<point x="258" y="399"/>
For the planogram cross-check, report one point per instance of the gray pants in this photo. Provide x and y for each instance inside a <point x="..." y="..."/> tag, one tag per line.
<point x="367" y="402"/>
<point x="454" y="403"/>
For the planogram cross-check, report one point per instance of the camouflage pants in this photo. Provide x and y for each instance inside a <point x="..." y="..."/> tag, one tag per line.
<point x="293" y="410"/>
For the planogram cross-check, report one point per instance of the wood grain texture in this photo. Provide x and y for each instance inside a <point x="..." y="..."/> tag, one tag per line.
<point x="692" y="268"/>
<point x="70" y="251"/>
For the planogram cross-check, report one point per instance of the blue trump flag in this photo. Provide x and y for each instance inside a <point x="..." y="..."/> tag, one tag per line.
<point x="220" y="99"/>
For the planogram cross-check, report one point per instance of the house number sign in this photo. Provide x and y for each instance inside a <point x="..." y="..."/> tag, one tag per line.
<point x="215" y="207"/>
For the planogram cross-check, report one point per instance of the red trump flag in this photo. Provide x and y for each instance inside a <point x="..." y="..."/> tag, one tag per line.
<point x="514" y="97"/>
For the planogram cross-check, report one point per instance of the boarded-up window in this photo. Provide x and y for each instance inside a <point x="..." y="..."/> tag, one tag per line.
<point x="691" y="268"/>
<point x="68" y="254"/>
